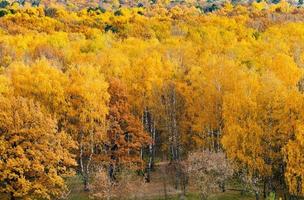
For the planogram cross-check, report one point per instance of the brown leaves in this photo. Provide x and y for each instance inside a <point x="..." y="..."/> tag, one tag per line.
<point x="125" y="135"/>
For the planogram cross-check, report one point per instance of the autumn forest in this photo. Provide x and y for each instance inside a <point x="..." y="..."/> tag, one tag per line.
<point x="151" y="100"/>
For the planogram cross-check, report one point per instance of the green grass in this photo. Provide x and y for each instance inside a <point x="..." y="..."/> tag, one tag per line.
<point x="219" y="196"/>
<point x="78" y="196"/>
<point x="76" y="187"/>
<point x="193" y="196"/>
<point x="232" y="196"/>
<point x="77" y="193"/>
<point x="81" y="197"/>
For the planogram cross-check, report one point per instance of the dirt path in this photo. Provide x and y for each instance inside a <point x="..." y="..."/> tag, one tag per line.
<point x="159" y="186"/>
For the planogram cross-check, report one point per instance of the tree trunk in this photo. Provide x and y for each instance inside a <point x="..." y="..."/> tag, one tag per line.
<point x="85" y="162"/>
<point x="86" y="183"/>
<point x="222" y="186"/>
<point x="256" y="195"/>
<point x="111" y="172"/>
<point x="149" y="125"/>
<point x="264" y="189"/>
<point x="163" y="170"/>
<point x="12" y="196"/>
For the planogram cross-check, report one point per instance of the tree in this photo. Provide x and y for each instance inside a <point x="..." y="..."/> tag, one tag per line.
<point x="42" y="82"/>
<point x="209" y="171"/>
<point x="34" y="157"/>
<point x="77" y="98"/>
<point x="87" y="99"/>
<point x="294" y="158"/>
<point x="125" y="135"/>
<point x="261" y="117"/>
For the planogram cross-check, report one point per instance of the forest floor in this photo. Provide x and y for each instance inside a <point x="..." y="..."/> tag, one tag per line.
<point x="155" y="190"/>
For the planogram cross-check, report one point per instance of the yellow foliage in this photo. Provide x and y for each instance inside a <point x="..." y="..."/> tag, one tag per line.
<point x="29" y="139"/>
<point x="228" y="80"/>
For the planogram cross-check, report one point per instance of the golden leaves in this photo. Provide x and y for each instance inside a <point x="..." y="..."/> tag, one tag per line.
<point x="28" y="135"/>
<point x="225" y="81"/>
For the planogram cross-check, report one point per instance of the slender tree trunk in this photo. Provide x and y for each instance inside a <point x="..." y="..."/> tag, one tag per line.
<point x="163" y="170"/>
<point x="153" y="131"/>
<point x="209" y="140"/>
<point x="111" y="172"/>
<point x="86" y="162"/>
<point x="264" y="189"/>
<point x="81" y="162"/>
<point x="222" y="186"/>
<point x="256" y="195"/>
<point x="12" y="196"/>
<point x="175" y="130"/>
<point x="147" y="128"/>
<point x="149" y="125"/>
<point x="175" y="136"/>
<point x="218" y="140"/>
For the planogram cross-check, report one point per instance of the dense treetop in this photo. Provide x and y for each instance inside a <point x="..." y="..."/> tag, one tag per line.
<point x="116" y="86"/>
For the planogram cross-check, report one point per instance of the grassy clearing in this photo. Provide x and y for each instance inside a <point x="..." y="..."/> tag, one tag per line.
<point x="154" y="191"/>
<point x="226" y="196"/>
<point x="220" y="196"/>
<point x="78" y="194"/>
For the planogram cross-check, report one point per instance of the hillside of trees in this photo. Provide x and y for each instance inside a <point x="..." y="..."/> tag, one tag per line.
<point x="119" y="93"/>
